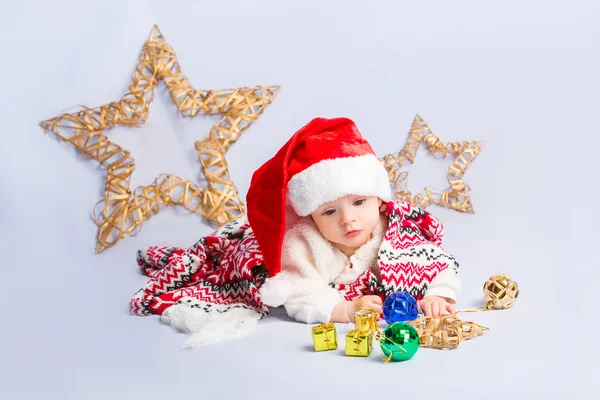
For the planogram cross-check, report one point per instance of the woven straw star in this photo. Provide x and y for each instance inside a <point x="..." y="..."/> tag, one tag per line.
<point x="445" y="331"/>
<point x="125" y="210"/>
<point x="455" y="197"/>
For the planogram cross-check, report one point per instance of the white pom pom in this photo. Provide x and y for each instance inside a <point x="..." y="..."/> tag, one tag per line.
<point x="208" y="328"/>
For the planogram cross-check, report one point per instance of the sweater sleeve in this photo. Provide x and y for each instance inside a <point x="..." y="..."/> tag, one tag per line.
<point x="304" y="292"/>
<point x="445" y="284"/>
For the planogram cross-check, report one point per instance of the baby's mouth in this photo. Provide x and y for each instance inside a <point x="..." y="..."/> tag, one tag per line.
<point x="352" y="233"/>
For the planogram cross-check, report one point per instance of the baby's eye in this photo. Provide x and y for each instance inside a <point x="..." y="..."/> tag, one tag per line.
<point x="329" y="212"/>
<point x="359" y="202"/>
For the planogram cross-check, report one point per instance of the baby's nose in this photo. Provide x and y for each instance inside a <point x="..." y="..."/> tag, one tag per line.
<point x="347" y="217"/>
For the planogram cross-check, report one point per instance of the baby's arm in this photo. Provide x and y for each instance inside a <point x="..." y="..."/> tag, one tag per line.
<point x="345" y="310"/>
<point x="444" y="289"/>
<point x="308" y="298"/>
<point x="305" y="295"/>
<point x="446" y="285"/>
<point x="441" y="294"/>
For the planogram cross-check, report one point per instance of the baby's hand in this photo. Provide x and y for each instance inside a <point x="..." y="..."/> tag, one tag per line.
<point x="434" y="306"/>
<point x="370" y="301"/>
<point x="345" y="310"/>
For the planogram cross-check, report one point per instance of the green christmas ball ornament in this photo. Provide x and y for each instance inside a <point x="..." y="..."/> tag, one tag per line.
<point x="400" y="341"/>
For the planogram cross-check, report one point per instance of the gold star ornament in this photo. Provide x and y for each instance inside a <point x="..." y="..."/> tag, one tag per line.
<point x="454" y="197"/>
<point x="445" y="331"/>
<point x="123" y="211"/>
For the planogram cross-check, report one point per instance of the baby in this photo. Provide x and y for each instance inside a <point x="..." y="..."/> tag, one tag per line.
<point x="333" y="239"/>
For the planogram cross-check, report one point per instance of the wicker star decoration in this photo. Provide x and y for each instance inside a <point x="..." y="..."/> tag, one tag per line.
<point x="125" y="210"/>
<point x="445" y="331"/>
<point x="455" y="197"/>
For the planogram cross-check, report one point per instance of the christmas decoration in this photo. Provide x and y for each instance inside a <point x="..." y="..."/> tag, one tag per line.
<point x="455" y="197"/>
<point x="359" y="342"/>
<point x="125" y="210"/>
<point x="445" y="332"/>
<point x="324" y="337"/>
<point x="399" y="341"/>
<point x="500" y="292"/>
<point x="400" y="306"/>
<point x="366" y="320"/>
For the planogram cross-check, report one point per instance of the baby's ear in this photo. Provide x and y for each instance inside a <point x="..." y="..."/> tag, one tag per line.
<point x="382" y="206"/>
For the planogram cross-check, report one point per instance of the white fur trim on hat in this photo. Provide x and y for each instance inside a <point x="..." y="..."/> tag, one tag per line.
<point x="331" y="179"/>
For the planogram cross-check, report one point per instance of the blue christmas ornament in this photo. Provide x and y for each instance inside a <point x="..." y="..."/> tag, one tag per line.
<point x="399" y="307"/>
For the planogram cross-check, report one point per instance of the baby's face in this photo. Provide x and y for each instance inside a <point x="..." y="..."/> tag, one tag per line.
<point x="349" y="220"/>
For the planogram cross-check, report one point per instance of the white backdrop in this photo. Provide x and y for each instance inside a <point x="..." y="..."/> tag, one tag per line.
<point x="523" y="76"/>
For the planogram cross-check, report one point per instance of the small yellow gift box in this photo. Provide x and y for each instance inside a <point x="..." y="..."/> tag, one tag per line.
<point x="366" y="321"/>
<point x="324" y="337"/>
<point x="359" y="343"/>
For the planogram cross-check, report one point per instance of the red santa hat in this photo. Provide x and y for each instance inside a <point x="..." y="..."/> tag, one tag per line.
<point x="323" y="161"/>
